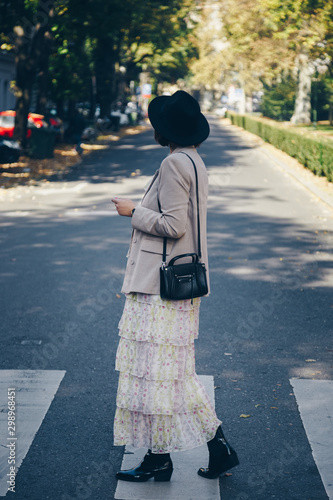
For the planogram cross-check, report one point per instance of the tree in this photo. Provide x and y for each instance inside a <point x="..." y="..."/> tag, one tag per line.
<point x="29" y="23"/>
<point x="306" y="26"/>
<point x="160" y="40"/>
<point x="112" y="42"/>
<point x="236" y="47"/>
<point x="71" y="59"/>
<point x="262" y="40"/>
<point x="278" y="101"/>
<point x="69" y="48"/>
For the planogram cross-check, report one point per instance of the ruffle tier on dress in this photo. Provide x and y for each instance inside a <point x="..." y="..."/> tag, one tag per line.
<point x="161" y="404"/>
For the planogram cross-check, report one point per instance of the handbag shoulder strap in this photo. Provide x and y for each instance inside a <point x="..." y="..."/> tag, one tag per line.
<point x="197" y="196"/>
<point x="198" y="214"/>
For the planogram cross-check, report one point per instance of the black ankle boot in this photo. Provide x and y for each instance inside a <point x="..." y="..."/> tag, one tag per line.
<point x="222" y="456"/>
<point x="159" y="466"/>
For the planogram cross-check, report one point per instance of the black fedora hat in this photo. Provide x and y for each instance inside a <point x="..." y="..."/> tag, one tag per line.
<point x="178" y="118"/>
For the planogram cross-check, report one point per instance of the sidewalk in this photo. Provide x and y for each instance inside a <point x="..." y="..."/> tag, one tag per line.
<point x="318" y="186"/>
<point x="29" y="172"/>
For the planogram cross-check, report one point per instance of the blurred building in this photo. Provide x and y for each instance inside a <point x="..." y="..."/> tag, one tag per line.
<point x="7" y="74"/>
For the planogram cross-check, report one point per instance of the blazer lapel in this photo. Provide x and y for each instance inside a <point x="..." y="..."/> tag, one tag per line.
<point x="150" y="184"/>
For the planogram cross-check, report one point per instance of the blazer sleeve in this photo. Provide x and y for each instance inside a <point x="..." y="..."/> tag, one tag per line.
<point x="173" y="193"/>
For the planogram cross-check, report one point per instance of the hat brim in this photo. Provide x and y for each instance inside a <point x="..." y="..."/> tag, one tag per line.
<point x="182" y="139"/>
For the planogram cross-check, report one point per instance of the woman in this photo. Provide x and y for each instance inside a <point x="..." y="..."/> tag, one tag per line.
<point x="161" y="404"/>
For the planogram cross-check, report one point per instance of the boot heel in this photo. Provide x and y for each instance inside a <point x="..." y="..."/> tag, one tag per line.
<point x="230" y="462"/>
<point x="164" y="475"/>
<point x="234" y="460"/>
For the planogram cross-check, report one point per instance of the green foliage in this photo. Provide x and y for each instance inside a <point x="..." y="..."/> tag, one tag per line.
<point x="314" y="153"/>
<point x="70" y="59"/>
<point x="321" y="96"/>
<point x="262" y="39"/>
<point x="279" y="99"/>
<point x="98" y="38"/>
<point x="159" y="40"/>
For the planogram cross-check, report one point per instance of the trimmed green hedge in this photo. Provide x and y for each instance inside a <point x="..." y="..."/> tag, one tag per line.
<point x="314" y="153"/>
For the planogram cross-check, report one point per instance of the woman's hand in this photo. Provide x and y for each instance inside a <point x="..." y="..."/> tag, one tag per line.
<point x="124" y="206"/>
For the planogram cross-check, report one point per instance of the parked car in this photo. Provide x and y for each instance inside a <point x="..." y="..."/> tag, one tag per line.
<point x="9" y="151"/>
<point x="221" y="110"/>
<point x="55" y="124"/>
<point x="7" y="123"/>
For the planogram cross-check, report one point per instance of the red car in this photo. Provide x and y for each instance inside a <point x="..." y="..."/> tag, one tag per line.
<point x="7" y="121"/>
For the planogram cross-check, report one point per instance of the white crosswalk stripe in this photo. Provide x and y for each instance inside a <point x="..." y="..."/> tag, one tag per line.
<point x="185" y="483"/>
<point x="25" y="397"/>
<point x="315" y="403"/>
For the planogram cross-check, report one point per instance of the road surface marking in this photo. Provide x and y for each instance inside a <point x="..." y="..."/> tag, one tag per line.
<point x="34" y="391"/>
<point x="185" y="483"/>
<point x="315" y="404"/>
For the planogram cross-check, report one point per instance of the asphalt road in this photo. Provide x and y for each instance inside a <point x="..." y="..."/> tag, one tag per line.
<point x="268" y="319"/>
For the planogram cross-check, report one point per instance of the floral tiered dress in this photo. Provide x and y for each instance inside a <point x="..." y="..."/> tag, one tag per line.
<point x="161" y="404"/>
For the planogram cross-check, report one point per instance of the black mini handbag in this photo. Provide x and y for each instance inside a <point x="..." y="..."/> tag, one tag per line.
<point x="187" y="280"/>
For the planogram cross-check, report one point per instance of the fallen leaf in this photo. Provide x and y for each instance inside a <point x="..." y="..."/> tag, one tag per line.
<point x="228" y="474"/>
<point x="118" y="296"/>
<point x="274" y="407"/>
<point x="227" y="354"/>
<point x="244" y="416"/>
<point x="310" y="360"/>
<point x="257" y="406"/>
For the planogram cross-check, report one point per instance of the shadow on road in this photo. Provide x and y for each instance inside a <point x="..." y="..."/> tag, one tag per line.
<point x="266" y="320"/>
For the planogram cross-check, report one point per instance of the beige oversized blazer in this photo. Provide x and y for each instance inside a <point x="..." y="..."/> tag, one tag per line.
<point x="174" y="185"/>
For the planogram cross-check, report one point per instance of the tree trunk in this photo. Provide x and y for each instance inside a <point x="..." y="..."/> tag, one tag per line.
<point x="93" y="98"/>
<point x="60" y="108"/>
<point x="42" y="75"/>
<point x="28" y="47"/>
<point x="302" y="111"/>
<point x="106" y="85"/>
<point x="24" y="82"/>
